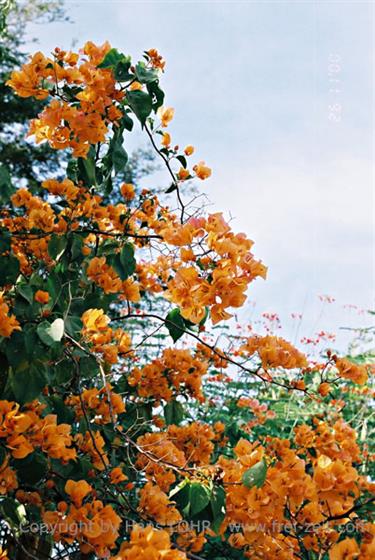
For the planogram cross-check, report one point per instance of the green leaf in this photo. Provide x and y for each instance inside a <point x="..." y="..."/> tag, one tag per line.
<point x="127" y="259"/>
<point x="73" y="325"/>
<point x="6" y="187"/>
<point x="182" y="160"/>
<point x="76" y="247"/>
<point x="88" y="367"/>
<point x="72" y="170"/>
<point x="86" y="169"/>
<point x="31" y="469"/>
<point x="9" y="270"/>
<point x="141" y="104"/>
<point x="127" y="122"/>
<point x="56" y="246"/>
<point x="156" y="94"/>
<point x="145" y="75"/>
<point x="181" y="495"/>
<point x="2" y="455"/>
<point x="173" y="412"/>
<point x="172" y="188"/>
<point x="255" y="475"/>
<point x="119" y="63"/>
<point x="217" y="505"/>
<point x="119" y="156"/>
<point x="26" y="292"/>
<point x="175" y="324"/>
<point x="5" y="239"/>
<point x="200" y="496"/>
<point x="51" y="333"/>
<point x="28" y="384"/>
<point x="11" y="511"/>
<point x="121" y="70"/>
<point x="62" y="373"/>
<point x="111" y="59"/>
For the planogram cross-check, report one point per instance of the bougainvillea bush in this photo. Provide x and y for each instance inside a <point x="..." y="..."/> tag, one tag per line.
<point x="133" y="424"/>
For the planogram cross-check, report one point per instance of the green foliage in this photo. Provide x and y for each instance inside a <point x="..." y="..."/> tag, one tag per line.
<point x="175" y="324"/>
<point x="198" y="501"/>
<point x="141" y="104"/>
<point x="174" y="412"/>
<point x="255" y="475"/>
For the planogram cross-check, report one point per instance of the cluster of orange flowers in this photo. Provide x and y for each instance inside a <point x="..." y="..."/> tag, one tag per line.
<point x="274" y="352"/>
<point x="103" y="403"/>
<point x="349" y="370"/>
<point x="195" y="440"/>
<point x="106" y="341"/>
<point x="160" y="454"/>
<point x="217" y="280"/>
<point x="174" y="372"/>
<point x="148" y="543"/>
<point x="92" y="444"/>
<point x="312" y="496"/>
<point x="93" y="524"/>
<point x="226" y="277"/>
<point x="27" y="430"/>
<point x="154" y="505"/>
<point x="62" y="124"/>
<point x="8" y="323"/>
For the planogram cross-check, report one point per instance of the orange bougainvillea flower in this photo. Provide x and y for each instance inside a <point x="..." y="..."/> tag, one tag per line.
<point x="344" y="550"/>
<point x="127" y="191"/>
<point x="148" y="543"/>
<point x="8" y="323"/>
<point x="156" y="59"/>
<point x="26" y="82"/>
<point x="202" y="171"/>
<point x="324" y="389"/>
<point x="349" y="370"/>
<point x="41" y="297"/>
<point x="166" y="140"/>
<point x="165" y="115"/>
<point x="8" y="478"/>
<point x="275" y="352"/>
<point x="183" y="174"/>
<point x="94" y="320"/>
<point x="116" y="475"/>
<point x="189" y="150"/>
<point x="77" y="491"/>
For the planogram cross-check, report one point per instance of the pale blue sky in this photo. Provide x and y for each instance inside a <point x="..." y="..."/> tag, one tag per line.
<point x="251" y="85"/>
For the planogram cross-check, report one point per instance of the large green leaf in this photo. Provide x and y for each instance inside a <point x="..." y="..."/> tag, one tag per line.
<point x="111" y="59"/>
<point x="175" y="324"/>
<point x="127" y="259"/>
<point x="200" y="496"/>
<point x="49" y="333"/>
<point x="56" y="246"/>
<point x="28" y="383"/>
<point x="173" y="412"/>
<point x="6" y="187"/>
<point x="86" y="170"/>
<point x="31" y="469"/>
<point x="5" y="239"/>
<point x="200" y="502"/>
<point x="9" y="270"/>
<point x="145" y="75"/>
<point x="119" y="156"/>
<point x="156" y="94"/>
<point x="141" y="104"/>
<point x="255" y="475"/>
